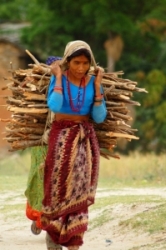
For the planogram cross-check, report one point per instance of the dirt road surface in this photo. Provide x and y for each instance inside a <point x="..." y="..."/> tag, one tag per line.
<point x="15" y="233"/>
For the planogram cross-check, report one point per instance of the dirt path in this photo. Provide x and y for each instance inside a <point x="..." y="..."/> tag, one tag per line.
<point x="15" y="231"/>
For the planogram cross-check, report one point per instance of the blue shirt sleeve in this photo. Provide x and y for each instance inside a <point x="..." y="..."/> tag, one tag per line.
<point x="99" y="112"/>
<point x="54" y="99"/>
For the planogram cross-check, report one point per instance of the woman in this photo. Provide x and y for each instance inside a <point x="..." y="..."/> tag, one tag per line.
<point x="72" y="162"/>
<point x="34" y="191"/>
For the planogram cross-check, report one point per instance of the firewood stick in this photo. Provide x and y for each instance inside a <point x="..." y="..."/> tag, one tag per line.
<point x="104" y="155"/>
<point x="118" y="84"/>
<point x="107" y="144"/>
<point x="118" y="108"/>
<point x="19" y="145"/>
<point x="107" y="156"/>
<point x="4" y="88"/>
<point x="41" y="117"/>
<point x="117" y="114"/>
<point x="111" y="134"/>
<point x="120" y="111"/>
<point x="11" y="139"/>
<point x="21" y="136"/>
<point x="12" y="100"/>
<point x="111" y="123"/>
<point x="26" y="124"/>
<point x="5" y="120"/>
<point x="39" y="76"/>
<point x="114" y="73"/>
<point x="118" y="92"/>
<point x="21" y="117"/>
<point x="32" y="57"/>
<point x="121" y="80"/>
<point x="27" y="110"/>
<point x="18" y="89"/>
<point x="131" y="102"/>
<point x="26" y="130"/>
<point x="114" y="103"/>
<point x="16" y="81"/>
<point x="41" y="70"/>
<point x="42" y="64"/>
<point x="107" y="90"/>
<point x="141" y="90"/>
<point x="102" y="134"/>
<point x="37" y="105"/>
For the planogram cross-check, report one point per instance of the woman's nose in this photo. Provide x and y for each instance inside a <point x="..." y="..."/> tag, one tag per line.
<point x="81" y="68"/>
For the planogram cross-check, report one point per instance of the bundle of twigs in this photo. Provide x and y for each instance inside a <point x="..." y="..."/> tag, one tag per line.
<point x="118" y="93"/>
<point x="29" y="119"/>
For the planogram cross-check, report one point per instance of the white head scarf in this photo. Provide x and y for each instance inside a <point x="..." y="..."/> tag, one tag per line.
<point x="73" y="46"/>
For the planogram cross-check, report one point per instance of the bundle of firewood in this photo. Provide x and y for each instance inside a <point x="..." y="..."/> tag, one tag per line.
<point x="30" y="117"/>
<point x="118" y="93"/>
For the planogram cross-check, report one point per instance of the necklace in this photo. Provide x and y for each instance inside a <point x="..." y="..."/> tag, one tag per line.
<point x="73" y="99"/>
<point x="79" y="102"/>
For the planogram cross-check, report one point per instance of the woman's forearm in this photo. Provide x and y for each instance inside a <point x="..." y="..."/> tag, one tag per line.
<point x="55" y="97"/>
<point x="99" y="112"/>
<point x="55" y="101"/>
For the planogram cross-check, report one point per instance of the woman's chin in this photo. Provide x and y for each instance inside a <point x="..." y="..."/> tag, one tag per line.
<point x="79" y="75"/>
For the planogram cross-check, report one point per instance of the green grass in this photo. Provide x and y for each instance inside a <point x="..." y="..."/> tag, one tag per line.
<point x="135" y="170"/>
<point x="152" y="221"/>
<point x="161" y="245"/>
<point x="125" y="199"/>
<point x="12" y="183"/>
<point x="17" y="163"/>
<point x="10" y="209"/>
<point x="104" y="207"/>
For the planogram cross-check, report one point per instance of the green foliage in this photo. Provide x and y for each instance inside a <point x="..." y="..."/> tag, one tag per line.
<point x="15" y="10"/>
<point x="155" y="84"/>
<point x="151" y="118"/>
<point x="159" y="114"/>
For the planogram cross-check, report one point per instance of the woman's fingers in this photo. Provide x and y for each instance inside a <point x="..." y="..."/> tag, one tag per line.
<point x="99" y="73"/>
<point x="55" y="68"/>
<point x="99" y="69"/>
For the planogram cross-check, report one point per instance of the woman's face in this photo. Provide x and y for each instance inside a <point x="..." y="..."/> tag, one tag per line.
<point x="78" y="66"/>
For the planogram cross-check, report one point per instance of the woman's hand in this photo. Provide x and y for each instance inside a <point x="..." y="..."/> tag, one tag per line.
<point x="55" y="69"/>
<point x="57" y="72"/>
<point x="98" y="80"/>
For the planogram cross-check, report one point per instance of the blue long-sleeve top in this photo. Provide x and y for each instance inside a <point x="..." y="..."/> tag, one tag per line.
<point x="59" y="103"/>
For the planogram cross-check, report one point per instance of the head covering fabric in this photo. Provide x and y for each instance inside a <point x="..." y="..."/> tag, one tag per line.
<point x="52" y="59"/>
<point x="72" y="47"/>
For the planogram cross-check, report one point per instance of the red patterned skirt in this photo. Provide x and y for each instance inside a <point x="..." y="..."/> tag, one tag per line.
<point x="70" y="181"/>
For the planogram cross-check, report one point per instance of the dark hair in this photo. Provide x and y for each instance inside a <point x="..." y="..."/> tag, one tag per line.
<point x="80" y="52"/>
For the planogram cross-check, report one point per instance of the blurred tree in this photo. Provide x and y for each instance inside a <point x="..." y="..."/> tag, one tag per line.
<point x="151" y="117"/>
<point x="15" y="10"/>
<point x="57" y="22"/>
